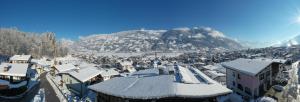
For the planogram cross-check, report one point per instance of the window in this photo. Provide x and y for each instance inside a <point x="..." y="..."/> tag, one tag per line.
<point x="239" y="76"/>
<point x="261" y="76"/>
<point x="268" y="73"/>
<point x="248" y="91"/>
<point x="233" y="74"/>
<point x="240" y="87"/>
<point x="233" y="83"/>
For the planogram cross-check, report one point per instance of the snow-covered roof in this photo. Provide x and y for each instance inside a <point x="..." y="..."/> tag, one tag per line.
<point x="109" y="72"/>
<point x="126" y="63"/>
<point x="188" y="77"/>
<point x="86" y="65"/>
<point x="215" y="67"/>
<point x="20" y="57"/>
<point x="69" y="59"/>
<point x="213" y="74"/>
<point x="15" y="69"/>
<point x="64" y="67"/>
<point x="250" y="66"/>
<point x="85" y="74"/>
<point x="148" y="72"/>
<point x="161" y="86"/>
<point x="42" y="62"/>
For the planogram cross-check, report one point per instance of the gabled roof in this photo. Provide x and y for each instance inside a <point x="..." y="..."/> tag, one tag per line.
<point x="16" y="69"/>
<point x="20" y="57"/>
<point x="85" y="74"/>
<point x="154" y="86"/>
<point x="251" y="66"/>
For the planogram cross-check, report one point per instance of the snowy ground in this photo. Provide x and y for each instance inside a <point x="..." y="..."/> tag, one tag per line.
<point x="40" y="96"/>
<point x="55" y="87"/>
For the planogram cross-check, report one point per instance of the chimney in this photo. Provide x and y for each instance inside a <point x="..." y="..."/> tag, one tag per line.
<point x="76" y="70"/>
<point x="6" y="68"/>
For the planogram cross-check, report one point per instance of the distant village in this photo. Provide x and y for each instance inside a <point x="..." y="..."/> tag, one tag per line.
<point x="251" y="75"/>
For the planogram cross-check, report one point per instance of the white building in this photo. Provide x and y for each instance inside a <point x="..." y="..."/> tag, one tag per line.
<point x="186" y="84"/>
<point x="107" y="74"/>
<point x="20" y="59"/>
<point x="251" y="78"/>
<point x="127" y="66"/>
<point x="13" y="74"/>
<point x="77" y="80"/>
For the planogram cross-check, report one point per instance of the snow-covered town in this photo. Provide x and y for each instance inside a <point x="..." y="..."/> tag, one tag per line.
<point x="74" y="78"/>
<point x="149" y="51"/>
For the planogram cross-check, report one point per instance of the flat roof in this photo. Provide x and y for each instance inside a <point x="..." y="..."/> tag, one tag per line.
<point x="251" y="66"/>
<point x="160" y="86"/>
<point x="16" y="69"/>
<point x="20" y="57"/>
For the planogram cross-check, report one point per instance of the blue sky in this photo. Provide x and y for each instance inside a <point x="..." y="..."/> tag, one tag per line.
<point x="257" y="21"/>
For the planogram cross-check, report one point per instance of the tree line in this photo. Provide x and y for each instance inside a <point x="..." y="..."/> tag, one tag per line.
<point x="14" y="41"/>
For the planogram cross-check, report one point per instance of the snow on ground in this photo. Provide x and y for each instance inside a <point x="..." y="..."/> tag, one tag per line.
<point x="265" y="99"/>
<point x="40" y="96"/>
<point x="55" y="88"/>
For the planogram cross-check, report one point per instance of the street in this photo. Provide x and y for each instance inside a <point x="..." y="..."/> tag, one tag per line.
<point x="50" y="94"/>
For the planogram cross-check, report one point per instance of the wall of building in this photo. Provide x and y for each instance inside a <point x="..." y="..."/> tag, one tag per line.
<point x="74" y="85"/>
<point x="257" y="84"/>
<point x="247" y="82"/>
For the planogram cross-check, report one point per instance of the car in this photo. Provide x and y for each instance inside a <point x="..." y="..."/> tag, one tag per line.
<point x="278" y="88"/>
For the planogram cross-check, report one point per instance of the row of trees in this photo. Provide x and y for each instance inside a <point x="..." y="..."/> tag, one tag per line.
<point x="13" y="41"/>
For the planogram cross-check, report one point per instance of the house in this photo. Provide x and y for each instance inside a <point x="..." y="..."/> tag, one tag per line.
<point x="107" y="74"/>
<point x="77" y="80"/>
<point x="153" y="85"/>
<point x="41" y="65"/>
<point x="217" y="76"/>
<point x="127" y="66"/>
<point x="20" y="59"/>
<point x="13" y="75"/>
<point x="252" y="77"/>
<point x="58" y="69"/>
<point x="216" y="67"/>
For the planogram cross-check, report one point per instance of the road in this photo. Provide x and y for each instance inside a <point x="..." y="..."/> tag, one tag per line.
<point x="50" y="94"/>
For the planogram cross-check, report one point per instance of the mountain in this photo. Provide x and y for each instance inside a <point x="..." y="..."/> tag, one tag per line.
<point x="177" y="39"/>
<point x="287" y="43"/>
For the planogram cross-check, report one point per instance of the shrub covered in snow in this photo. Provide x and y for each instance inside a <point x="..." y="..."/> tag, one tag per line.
<point x="265" y="99"/>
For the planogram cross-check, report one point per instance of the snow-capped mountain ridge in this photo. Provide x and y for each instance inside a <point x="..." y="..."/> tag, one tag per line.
<point x="287" y="43"/>
<point x="177" y="39"/>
